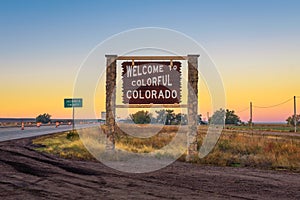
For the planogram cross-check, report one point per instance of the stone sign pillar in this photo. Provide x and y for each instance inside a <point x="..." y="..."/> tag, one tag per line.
<point x="111" y="75"/>
<point x="192" y="107"/>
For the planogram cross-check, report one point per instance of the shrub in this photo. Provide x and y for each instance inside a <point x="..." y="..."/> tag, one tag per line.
<point x="72" y="135"/>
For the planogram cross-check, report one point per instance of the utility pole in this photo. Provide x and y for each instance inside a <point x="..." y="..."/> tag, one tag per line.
<point x="207" y="116"/>
<point x="250" y="121"/>
<point x="295" y="115"/>
<point x="73" y="124"/>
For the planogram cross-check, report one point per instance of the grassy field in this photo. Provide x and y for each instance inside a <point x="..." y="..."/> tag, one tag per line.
<point x="266" y="127"/>
<point x="232" y="149"/>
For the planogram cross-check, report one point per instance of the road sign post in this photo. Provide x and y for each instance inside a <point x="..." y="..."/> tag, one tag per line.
<point x="72" y="103"/>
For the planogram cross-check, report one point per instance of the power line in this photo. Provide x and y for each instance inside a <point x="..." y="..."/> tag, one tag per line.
<point x="274" y="105"/>
<point x="243" y="110"/>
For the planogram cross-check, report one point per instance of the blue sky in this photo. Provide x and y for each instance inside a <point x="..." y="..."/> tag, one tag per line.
<point x="245" y="39"/>
<point x="75" y="26"/>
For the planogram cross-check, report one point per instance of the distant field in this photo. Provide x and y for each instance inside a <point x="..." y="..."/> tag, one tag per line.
<point x="233" y="148"/>
<point x="266" y="127"/>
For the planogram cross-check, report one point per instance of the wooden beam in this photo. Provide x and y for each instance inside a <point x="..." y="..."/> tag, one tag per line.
<point x="152" y="106"/>
<point x="152" y="58"/>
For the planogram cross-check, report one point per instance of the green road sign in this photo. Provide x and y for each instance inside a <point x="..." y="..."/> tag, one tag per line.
<point x="70" y="103"/>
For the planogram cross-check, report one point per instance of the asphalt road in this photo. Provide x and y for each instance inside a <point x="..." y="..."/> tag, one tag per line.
<point x="17" y="133"/>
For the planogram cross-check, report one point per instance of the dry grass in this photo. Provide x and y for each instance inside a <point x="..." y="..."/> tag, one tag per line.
<point x="58" y="144"/>
<point x="265" y="127"/>
<point x="232" y="149"/>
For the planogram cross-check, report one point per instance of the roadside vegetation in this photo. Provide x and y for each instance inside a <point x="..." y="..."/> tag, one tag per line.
<point x="265" y="127"/>
<point x="233" y="148"/>
<point x="43" y="118"/>
<point x="247" y="150"/>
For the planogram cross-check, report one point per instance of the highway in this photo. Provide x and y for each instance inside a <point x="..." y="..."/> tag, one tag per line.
<point x="16" y="132"/>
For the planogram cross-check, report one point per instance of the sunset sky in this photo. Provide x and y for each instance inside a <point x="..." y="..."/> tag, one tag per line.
<point x="254" y="44"/>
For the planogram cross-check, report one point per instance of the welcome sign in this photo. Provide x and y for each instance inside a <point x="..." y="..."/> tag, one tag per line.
<point x="151" y="82"/>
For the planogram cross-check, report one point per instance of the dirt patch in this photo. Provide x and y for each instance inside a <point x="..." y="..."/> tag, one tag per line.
<point x="27" y="174"/>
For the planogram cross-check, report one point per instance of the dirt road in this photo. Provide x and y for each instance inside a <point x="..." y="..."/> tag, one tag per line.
<point x="27" y="174"/>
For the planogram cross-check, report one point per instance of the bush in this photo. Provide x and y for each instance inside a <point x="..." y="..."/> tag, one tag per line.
<point x="43" y="118"/>
<point x="141" y="117"/>
<point x="72" y="135"/>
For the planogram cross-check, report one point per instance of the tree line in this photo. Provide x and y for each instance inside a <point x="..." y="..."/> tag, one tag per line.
<point x="169" y="117"/>
<point x="166" y="117"/>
